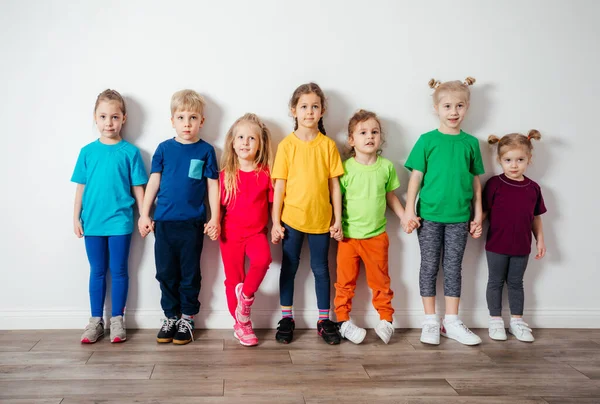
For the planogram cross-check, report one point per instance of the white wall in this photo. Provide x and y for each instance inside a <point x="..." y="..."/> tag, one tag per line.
<point x="536" y="65"/>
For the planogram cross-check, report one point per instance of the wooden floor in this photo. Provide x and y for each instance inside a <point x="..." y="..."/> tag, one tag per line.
<point x="561" y="366"/>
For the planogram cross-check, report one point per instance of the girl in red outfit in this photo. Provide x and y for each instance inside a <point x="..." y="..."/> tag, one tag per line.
<point x="246" y="192"/>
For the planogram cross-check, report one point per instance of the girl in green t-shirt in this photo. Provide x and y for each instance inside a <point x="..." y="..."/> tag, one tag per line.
<point x="445" y="165"/>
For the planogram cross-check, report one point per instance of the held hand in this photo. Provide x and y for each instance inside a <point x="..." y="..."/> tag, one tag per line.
<point x="277" y="233"/>
<point x="541" y="249"/>
<point x="78" y="228"/>
<point x="336" y="233"/>
<point x="476" y="229"/>
<point x="145" y="225"/>
<point x="410" y="222"/>
<point x="212" y="229"/>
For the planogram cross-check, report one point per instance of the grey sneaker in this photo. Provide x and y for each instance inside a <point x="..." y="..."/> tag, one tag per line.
<point x="93" y="331"/>
<point x="117" y="329"/>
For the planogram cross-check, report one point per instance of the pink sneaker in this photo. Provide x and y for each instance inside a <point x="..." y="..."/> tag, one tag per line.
<point x="245" y="334"/>
<point x="242" y="311"/>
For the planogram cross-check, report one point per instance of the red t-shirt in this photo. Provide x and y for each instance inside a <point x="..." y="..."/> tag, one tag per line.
<point x="512" y="206"/>
<point x="248" y="213"/>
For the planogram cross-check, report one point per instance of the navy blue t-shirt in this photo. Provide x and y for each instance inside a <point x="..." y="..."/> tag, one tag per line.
<point x="184" y="169"/>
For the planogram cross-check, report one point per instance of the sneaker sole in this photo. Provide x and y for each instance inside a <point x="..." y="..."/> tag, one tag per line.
<point x="164" y="340"/>
<point x="522" y="340"/>
<point x="244" y="343"/>
<point x="116" y="340"/>
<point x="498" y="338"/>
<point x="181" y="342"/>
<point x="88" y="341"/>
<point x="361" y="339"/>
<point x="429" y="342"/>
<point x="468" y="343"/>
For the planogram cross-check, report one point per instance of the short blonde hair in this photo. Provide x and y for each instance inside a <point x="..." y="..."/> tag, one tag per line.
<point x="515" y="141"/>
<point x="187" y="100"/>
<point x="455" y="86"/>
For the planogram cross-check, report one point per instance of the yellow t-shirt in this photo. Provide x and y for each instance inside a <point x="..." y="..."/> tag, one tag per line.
<point x="307" y="168"/>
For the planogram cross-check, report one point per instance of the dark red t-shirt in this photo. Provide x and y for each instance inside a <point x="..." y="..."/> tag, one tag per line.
<point x="511" y="207"/>
<point x="248" y="213"/>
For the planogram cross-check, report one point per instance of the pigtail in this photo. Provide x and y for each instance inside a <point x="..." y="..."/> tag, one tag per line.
<point x="493" y="139"/>
<point x="321" y="126"/>
<point x="534" y="134"/>
<point x="433" y="83"/>
<point x="469" y="81"/>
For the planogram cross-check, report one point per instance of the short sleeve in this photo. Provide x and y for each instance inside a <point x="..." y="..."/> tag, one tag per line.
<point x="281" y="164"/>
<point x="158" y="161"/>
<point x="80" y="172"/>
<point x="138" y="171"/>
<point x="211" y="169"/>
<point x="417" y="159"/>
<point x="540" y="206"/>
<point x="477" y="162"/>
<point x="335" y="162"/>
<point x="393" y="181"/>
<point x="344" y="182"/>
<point x="489" y="191"/>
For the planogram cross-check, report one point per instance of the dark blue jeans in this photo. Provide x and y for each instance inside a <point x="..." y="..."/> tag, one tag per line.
<point x="108" y="252"/>
<point x="177" y="252"/>
<point x="319" y="250"/>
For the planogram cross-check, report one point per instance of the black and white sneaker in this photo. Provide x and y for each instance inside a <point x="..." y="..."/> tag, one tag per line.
<point x="185" y="332"/>
<point x="167" y="331"/>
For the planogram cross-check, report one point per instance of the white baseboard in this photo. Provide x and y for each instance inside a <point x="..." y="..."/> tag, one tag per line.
<point x="221" y="319"/>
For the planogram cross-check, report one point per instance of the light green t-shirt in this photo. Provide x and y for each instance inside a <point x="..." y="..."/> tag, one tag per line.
<point x="449" y="163"/>
<point x="363" y="196"/>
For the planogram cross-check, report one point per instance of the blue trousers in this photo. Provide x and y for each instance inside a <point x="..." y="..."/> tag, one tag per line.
<point x="106" y="252"/>
<point x="177" y="252"/>
<point x="319" y="263"/>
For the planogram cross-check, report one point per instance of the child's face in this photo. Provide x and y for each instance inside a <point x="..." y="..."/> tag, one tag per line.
<point x="187" y="124"/>
<point x="246" y="139"/>
<point x="308" y="111"/>
<point x="514" y="162"/>
<point x="366" y="138"/>
<point x="451" y="109"/>
<point x="109" y="119"/>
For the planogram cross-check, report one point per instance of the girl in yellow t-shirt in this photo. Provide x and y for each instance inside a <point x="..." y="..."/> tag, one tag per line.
<point x="307" y="196"/>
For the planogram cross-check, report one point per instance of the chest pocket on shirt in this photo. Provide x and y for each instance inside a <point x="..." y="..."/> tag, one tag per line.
<point x="196" y="169"/>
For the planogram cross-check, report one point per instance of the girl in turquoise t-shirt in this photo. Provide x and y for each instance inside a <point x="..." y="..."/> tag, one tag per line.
<point x="445" y="165"/>
<point x="106" y="173"/>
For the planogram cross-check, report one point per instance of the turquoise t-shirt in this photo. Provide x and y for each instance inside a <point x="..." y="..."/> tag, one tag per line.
<point x="364" y="190"/>
<point x="108" y="172"/>
<point x="448" y="164"/>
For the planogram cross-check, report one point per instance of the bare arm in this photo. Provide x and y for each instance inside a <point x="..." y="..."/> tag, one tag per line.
<point x="145" y="224"/>
<point x="138" y="193"/>
<point x="77" y="226"/>
<point x="213" y="227"/>
<point x="414" y="185"/>
<point x="476" y="228"/>
<point x="335" y="192"/>
<point x="395" y="204"/>
<point x="538" y="233"/>
<point x="277" y="232"/>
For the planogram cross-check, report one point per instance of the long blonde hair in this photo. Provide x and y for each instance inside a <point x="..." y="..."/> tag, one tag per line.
<point x="230" y="164"/>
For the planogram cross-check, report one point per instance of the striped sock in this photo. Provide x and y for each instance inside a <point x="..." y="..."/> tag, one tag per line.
<point x="286" y="312"/>
<point x="323" y="314"/>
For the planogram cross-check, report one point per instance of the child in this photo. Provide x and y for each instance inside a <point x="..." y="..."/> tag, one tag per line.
<point x="445" y="164"/>
<point x="183" y="168"/>
<point x="246" y="192"/>
<point x="369" y="181"/>
<point x="514" y="205"/>
<point x="106" y="172"/>
<point x="306" y="171"/>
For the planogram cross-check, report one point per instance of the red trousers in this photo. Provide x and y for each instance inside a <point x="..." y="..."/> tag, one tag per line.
<point x="233" y="251"/>
<point x="374" y="253"/>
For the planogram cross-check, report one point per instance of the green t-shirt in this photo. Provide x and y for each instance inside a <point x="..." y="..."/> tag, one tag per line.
<point x="448" y="164"/>
<point x="363" y="196"/>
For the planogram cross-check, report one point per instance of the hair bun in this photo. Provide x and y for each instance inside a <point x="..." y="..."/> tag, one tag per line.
<point x="493" y="139"/>
<point x="433" y="83"/>
<point x="470" y="81"/>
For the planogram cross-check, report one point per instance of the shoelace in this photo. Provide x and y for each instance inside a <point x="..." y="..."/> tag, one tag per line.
<point x="185" y="325"/>
<point x="92" y="326"/>
<point x="431" y="328"/>
<point x="247" y="327"/>
<point x="464" y="327"/>
<point x="167" y="324"/>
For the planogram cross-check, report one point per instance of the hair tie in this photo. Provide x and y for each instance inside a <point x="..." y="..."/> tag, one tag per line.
<point x="529" y="137"/>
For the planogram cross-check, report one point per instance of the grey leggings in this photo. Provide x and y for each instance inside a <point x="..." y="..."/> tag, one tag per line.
<point x="433" y="238"/>
<point x="510" y="269"/>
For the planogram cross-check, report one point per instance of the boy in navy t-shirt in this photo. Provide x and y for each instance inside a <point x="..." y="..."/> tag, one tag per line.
<point x="183" y="170"/>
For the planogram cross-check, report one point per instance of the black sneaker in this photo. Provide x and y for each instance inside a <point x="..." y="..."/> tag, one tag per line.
<point x="185" y="332"/>
<point x="167" y="331"/>
<point x="285" y="330"/>
<point x="328" y="330"/>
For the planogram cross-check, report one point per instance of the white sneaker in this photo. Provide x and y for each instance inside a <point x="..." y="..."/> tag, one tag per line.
<point x="352" y="332"/>
<point x="431" y="332"/>
<point x="520" y="329"/>
<point x="384" y="330"/>
<point x="496" y="329"/>
<point x="457" y="331"/>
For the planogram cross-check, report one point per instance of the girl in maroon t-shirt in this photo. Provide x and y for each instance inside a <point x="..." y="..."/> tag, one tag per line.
<point x="246" y="192"/>
<point x="514" y="204"/>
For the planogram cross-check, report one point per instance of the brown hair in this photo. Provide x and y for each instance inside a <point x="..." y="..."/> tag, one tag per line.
<point x="229" y="162"/>
<point x="187" y="100"/>
<point x="451" y="87"/>
<point x="359" y="116"/>
<point x="515" y="140"/>
<point x="110" y="95"/>
<point x="308" y="88"/>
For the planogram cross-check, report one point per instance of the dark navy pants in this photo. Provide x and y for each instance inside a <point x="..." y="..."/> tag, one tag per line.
<point x="177" y="252"/>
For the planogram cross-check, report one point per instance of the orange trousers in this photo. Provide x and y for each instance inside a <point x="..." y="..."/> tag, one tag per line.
<point x="374" y="253"/>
